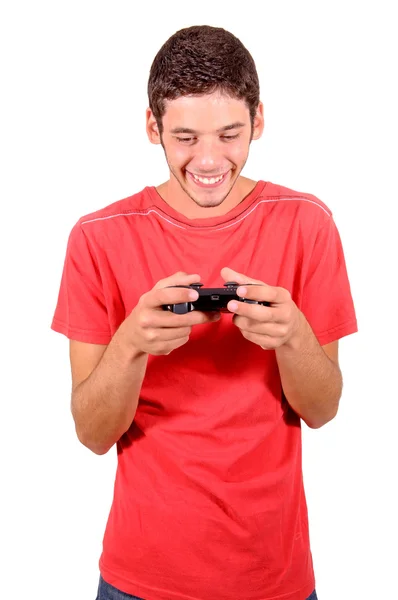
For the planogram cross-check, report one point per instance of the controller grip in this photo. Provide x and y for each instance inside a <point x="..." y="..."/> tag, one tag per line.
<point x="182" y="308"/>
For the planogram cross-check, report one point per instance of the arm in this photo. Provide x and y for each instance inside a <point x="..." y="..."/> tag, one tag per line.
<point x="107" y="380"/>
<point x="310" y="375"/>
<point x="106" y="383"/>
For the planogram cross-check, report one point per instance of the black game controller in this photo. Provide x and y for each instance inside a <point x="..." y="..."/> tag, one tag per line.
<point x="211" y="299"/>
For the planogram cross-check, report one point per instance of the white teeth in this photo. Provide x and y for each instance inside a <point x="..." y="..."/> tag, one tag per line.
<point x="207" y="180"/>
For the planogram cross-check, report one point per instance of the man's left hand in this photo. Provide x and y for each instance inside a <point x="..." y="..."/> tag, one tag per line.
<point x="267" y="326"/>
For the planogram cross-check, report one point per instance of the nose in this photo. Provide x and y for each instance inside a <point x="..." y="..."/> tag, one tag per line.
<point x="208" y="155"/>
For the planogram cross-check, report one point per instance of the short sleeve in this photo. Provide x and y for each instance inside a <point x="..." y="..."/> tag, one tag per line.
<point x="326" y="298"/>
<point x="81" y="312"/>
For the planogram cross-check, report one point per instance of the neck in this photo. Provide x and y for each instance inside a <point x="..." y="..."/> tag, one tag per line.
<point x="172" y="193"/>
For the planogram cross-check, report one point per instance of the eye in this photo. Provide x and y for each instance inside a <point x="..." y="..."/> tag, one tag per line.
<point x="185" y="140"/>
<point x="228" y="138"/>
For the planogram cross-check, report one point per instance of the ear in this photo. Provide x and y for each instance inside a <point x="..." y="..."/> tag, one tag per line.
<point x="258" y="123"/>
<point x="152" y="129"/>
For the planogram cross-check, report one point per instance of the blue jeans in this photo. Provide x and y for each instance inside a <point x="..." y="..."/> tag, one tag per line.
<point x="108" y="592"/>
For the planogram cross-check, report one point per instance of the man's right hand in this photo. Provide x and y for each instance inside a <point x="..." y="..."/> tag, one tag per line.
<point x="152" y="330"/>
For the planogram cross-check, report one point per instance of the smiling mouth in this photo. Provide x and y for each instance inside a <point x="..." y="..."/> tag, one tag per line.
<point x="207" y="181"/>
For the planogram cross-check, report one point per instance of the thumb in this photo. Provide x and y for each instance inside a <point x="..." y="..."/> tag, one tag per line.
<point x="179" y="278"/>
<point x="229" y="274"/>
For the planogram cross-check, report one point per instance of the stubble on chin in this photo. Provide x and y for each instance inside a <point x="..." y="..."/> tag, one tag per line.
<point x="207" y="203"/>
<point x="203" y="204"/>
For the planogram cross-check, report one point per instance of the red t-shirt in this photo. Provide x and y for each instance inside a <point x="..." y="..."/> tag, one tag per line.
<point x="209" y="499"/>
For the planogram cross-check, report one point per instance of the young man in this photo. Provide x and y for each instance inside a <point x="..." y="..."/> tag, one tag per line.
<point x="205" y="408"/>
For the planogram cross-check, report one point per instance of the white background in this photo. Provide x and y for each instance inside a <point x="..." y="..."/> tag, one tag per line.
<point x="73" y="99"/>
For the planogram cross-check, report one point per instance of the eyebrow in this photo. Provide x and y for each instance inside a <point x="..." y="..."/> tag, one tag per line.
<point x="236" y="125"/>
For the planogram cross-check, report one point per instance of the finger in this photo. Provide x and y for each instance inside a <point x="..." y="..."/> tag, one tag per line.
<point x="165" y="334"/>
<point x="196" y="317"/>
<point x="252" y="328"/>
<point x="266" y="342"/>
<point x="254" y="312"/>
<point x="264" y="293"/>
<point x="180" y="278"/>
<point x="165" y="348"/>
<point x="157" y="297"/>
<point x="229" y="274"/>
<point x="157" y="319"/>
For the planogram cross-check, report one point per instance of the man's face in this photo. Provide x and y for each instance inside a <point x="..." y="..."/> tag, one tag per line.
<point x="206" y="140"/>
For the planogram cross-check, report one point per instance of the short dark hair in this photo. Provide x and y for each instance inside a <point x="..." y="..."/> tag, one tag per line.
<point x="200" y="60"/>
